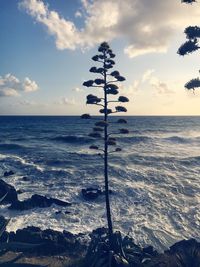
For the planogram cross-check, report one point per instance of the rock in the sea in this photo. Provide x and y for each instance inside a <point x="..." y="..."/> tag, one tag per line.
<point x="8" y="173"/>
<point x="92" y="193"/>
<point x="9" y="192"/>
<point x="37" y="201"/>
<point x="20" y="191"/>
<point x="25" y="179"/>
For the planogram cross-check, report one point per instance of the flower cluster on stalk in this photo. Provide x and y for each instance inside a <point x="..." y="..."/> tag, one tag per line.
<point x="108" y="82"/>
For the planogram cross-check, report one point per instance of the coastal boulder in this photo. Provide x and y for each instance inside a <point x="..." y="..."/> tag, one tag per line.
<point x="37" y="201"/>
<point x="8" y="191"/>
<point x="185" y="253"/>
<point x="8" y="173"/>
<point x="92" y="193"/>
<point x="50" y="242"/>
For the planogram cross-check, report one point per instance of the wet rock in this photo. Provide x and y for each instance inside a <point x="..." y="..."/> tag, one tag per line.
<point x="50" y="242"/>
<point x="25" y="179"/>
<point x="150" y="251"/>
<point x="20" y="191"/>
<point x="58" y="212"/>
<point x="37" y="201"/>
<point x="9" y="192"/>
<point x="67" y="212"/>
<point x="8" y="173"/>
<point x="185" y="253"/>
<point x="92" y="193"/>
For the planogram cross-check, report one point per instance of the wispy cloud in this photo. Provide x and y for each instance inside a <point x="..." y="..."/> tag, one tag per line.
<point x="66" y="101"/>
<point x="147" y="80"/>
<point x="147" y="75"/>
<point x="159" y="86"/>
<point x="146" y="27"/>
<point x="12" y="86"/>
<point x="78" y="89"/>
<point x="78" y="14"/>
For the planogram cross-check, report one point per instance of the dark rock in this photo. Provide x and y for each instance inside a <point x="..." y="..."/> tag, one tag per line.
<point x="92" y="193"/>
<point x="50" y="242"/>
<point x="67" y="212"/>
<point x="37" y="201"/>
<point x="185" y="253"/>
<point x="20" y="191"/>
<point x="25" y="179"/>
<point x="3" y="224"/>
<point x="9" y="191"/>
<point x="150" y="251"/>
<point x="8" y="173"/>
<point x="58" y="212"/>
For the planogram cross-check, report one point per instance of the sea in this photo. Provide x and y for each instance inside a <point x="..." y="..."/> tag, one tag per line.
<point x="155" y="179"/>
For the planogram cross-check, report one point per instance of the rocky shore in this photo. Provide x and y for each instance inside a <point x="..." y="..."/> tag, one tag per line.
<point x="32" y="246"/>
<point x="67" y="247"/>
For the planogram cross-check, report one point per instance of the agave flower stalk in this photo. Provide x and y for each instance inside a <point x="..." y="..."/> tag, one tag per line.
<point x="108" y="83"/>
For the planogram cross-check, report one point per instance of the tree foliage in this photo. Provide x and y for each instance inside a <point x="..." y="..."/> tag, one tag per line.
<point x="188" y="1"/>
<point x="191" y="45"/>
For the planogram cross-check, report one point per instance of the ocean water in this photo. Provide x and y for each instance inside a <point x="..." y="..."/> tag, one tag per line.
<point x="155" y="179"/>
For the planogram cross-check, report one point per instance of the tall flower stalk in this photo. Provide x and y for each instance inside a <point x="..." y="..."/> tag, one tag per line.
<point x="107" y="81"/>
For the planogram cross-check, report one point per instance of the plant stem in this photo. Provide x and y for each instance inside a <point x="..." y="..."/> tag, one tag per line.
<point x="108" y="211"/>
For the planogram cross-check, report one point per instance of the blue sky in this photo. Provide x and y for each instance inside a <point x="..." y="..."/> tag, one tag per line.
<point x="46" y="49"/>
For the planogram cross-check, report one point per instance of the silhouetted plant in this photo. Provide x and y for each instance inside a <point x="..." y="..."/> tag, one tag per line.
<point x="108" y="83"/>
<point x="188" y="1"/>
<point x="190" y="46"/>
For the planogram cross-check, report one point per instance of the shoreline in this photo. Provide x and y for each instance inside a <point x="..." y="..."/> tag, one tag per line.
<point x="64" y="248"/>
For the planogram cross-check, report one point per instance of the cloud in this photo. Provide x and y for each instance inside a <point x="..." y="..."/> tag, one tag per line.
<point x="26" y="103"/>
<point x="8" y="92"/>
<point x="78" y="90"/>
<point x="66" y="101"/>
<point x="12" y="86"/>
<point x="78" y="14"/>
<point x="150" y="80"/>
<point x="147" y="28"/>
<point x="147" y="74"/>
<point x="29" y="86"/>
<point x="159" y="86"/>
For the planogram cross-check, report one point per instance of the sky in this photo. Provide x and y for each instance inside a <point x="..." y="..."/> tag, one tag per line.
<point x="46" y="48"/>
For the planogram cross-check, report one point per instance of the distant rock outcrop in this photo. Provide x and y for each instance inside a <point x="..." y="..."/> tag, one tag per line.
<point x="37" y="201"/>
<point x="92" y="193"/>
<point x="8" y="173"/>
<point x="8" y="191"/>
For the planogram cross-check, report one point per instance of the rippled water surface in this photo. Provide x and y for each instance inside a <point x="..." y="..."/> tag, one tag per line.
<point x="155" y="179"/>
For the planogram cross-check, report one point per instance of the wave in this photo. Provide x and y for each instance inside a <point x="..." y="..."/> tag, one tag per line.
<point x="11" y="147"/>
<point x="178" y="139"/>
<point x="135" y="139"/>
<point x="190" y="161"/>
<point x="72" y="139"/>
